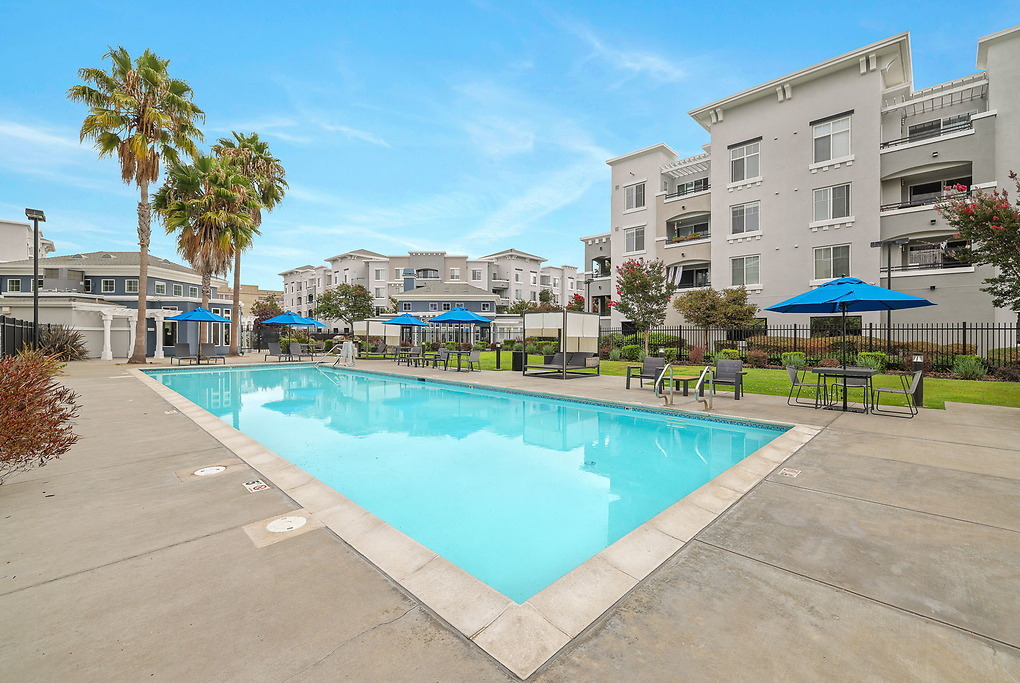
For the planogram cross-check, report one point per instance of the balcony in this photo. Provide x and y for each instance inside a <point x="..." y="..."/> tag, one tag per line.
<point x="695" y="285"/>
<point x="929" y="134"/>
<point x="680" y="239"/>
<point x="944" y="264"/>
<point x="929" y="200"/>
<point x="689" y="188"/>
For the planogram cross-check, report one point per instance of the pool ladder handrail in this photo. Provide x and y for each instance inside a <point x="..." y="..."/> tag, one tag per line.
<point x="657" y="386"/>
<point x="699" y="388"/>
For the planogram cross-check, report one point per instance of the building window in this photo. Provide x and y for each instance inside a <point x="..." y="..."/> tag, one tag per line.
<point x="485" y="306"/>
<point x="433" y="306"/>
<point x="745" y="271"/>
<point x="534" y="296"/>
<point x="427" y="273"/>
<point x="832" y="202"/>
<point x="476" y="275"/>
<point x="517" y="274"/>
<point x="454" y="273"/>
<point x="931" y="129"/>
<point x="88" y="285"/>
<point x="107" y="286"/>
<point x="380" y="292"/>
<point x="159" y="287"/>
<point x="745" y="218"/>
<point x="556" y="282"/>
<point x="832" y="262"/>
<point x="178" y="290"/>
<point x="397" y="274"/>
<point x="446" y="306"/>
<point x="517" y="294"/>
<point x="744" y="162"/>
<point x="380" y="273"/>
<point x="406" y="306"/>
<point x="193" y="292"/>
<point x="698" y="185"/>
<point x="131" y="286"/>
<point x="534" y="278"/>
<point x="832" y="325"/>
<point x="635" y="196"/>
<point x="635" y="239"/>
<point x="15" y="285"/>
<point x="832" y="139"/>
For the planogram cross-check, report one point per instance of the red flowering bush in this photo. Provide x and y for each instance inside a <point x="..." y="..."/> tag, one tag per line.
<point x="35" y="413"/>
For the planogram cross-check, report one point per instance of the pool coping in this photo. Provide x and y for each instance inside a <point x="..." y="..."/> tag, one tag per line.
<point x="521" y="637"/>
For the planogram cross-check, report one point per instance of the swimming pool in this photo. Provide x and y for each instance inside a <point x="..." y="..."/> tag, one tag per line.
<point x="515" y="489"/>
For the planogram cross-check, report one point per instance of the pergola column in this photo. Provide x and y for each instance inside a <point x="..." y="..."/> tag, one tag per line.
<point x="107" y="353"/>
<point x="158" y="315"/>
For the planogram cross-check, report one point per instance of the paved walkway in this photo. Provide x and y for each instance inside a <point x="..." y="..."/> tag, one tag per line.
<point x="893" y="555"/>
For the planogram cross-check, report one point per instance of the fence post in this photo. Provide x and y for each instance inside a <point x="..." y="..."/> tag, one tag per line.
<point x="871" y="336"/>
<point x="964" y="346"/>
<point x="795" y="337"/>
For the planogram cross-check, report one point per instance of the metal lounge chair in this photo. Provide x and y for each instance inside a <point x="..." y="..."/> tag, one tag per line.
<point x="730" y="372"/>
<point x="650" y="369"/>
<point x="182" y="352"/>
<point x="442" y="356"/>
<point x="207" y="351"/>
<point x="274" y="350"/>
<point x="297" y="352"/>
<point x="797" y="384"/>
<point x="906" y="391"/>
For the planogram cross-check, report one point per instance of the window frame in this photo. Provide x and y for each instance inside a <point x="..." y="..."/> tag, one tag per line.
<point x="86" y="285"/>
<point x="433" y="306"/>
<point x="176" y="287"/>
<point x="454" y="274"/>
<point x="744" y="259"/>
<point x="740" y="153"/>
<point x="743" y="218"/>
<point x="446" y="306"/>
<point x="157" y="285"/>
<point x="830" y="122"/>
<point x="405" y="306"/>
<point x="107" y="286"/>
<point x="17" y="280"/>
<point x="131" y="286"/>
<point x="631" y="196"/>
<point x="831" y="261"/>
<point x="474" y="272"/>
<point x="486" y="306"/>
<point x="193" y="292"/>
<point x="829" y="203"/>
<point x="630" y="240"/>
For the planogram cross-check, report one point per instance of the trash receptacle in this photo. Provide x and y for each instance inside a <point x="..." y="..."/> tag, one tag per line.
<point x="517" y="364"/>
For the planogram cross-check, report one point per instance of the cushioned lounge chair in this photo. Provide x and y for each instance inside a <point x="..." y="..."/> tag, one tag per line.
<point x="207" y="352"/>
<point x="650" y="368"/>
<point x="578" y="363"/>
<point x="274" y="350"/>
<point x="182" y="352"/>
<point x="297" y="352"/>
<point x="730" y="372"/>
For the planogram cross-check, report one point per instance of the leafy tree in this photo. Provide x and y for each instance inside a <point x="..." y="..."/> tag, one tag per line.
<point x="714" y="308"/>
<point x="644" y="294"/>
<point x="520" y="307"/>
<point x="991" y="225"/>
<point x="394" y="306"/>
<point x="141" y="114"/>
<point x="545" y="296"/>
<point x="345" y="302"/>
<point x="264" y="309"/>
<point x="576" y="303"/>
<point x="547" y="306"/>
<point x="37" y="413"/>
<point x="251" y="157"/>
<point x="208" y="205"/>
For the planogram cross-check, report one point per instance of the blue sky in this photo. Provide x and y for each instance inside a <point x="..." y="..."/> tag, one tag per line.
<point x="465" y="126"/>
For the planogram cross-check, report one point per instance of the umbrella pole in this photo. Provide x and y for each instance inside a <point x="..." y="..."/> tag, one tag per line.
<point x="843" y="306"/>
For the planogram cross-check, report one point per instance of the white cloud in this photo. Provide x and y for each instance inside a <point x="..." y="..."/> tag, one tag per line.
<point x="355" y="134"/>
<point x="632" y="63"/>
<point x="499" y="137"/>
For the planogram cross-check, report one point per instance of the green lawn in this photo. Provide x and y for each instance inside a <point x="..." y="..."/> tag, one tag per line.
<point x="776" y="383"/>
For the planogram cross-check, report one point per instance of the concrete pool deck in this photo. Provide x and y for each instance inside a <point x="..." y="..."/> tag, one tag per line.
<point x="891" y="555"/>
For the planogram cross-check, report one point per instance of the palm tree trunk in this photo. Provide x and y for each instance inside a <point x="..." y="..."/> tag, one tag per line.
<point x="206" y="294"/>
<point x="144" y="232"/>
<point x="235" y="317"/>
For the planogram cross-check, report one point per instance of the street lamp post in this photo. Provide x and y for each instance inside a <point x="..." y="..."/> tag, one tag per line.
<point x="35" y="215"/>
<point x="587" y="293"/>
<point x="888" y="244"/>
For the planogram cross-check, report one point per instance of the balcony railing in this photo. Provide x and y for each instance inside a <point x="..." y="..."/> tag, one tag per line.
<point x="936" y="265"/>
<point x="928" y="135"/>
<point x="693" y="285"/>
<point x="689" y="238"/>
<point x="681" y="192"/>
<point x="924" y="201"/>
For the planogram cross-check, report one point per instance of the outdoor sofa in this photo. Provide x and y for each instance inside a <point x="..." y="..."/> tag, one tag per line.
<point x="578" y="364"/>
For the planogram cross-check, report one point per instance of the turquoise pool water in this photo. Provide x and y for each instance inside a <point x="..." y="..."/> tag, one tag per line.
<point x="515" y="489"/>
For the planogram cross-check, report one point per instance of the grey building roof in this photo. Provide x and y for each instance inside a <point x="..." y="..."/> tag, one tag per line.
<point x="445" y="290"/>
<point x="103" y="258"/>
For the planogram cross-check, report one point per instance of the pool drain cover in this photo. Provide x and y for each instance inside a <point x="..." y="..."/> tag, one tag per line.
<point x="206" y="471"/>
<point x="279" y="526"/>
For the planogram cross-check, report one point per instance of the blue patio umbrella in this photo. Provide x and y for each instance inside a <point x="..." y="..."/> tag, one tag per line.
<point x="848" y="294"/>
<point x="289" y="318"/>
<point x="460" y="316"/>
<point x="312" y="322"/>
<point x="199" y="315"/>
<point x="406" y="320"/>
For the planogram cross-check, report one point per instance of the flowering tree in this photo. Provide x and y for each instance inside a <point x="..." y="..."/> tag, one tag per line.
<point x="264" y="309"/>
<point x="991" y="226"/>
<point x="644" y="293"/>
<point x="576" y="303"/>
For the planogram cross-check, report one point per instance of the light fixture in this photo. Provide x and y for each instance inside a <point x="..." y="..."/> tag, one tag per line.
<point x="36" y="216"/>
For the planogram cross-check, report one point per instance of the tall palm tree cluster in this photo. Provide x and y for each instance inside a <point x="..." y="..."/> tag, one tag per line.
<point x="213" y="203"/>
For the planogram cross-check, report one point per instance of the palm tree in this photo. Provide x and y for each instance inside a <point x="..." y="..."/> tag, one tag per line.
<point x="208" y="205"/>
<point x="251" y="156"/>
<point x="141" y="114"/>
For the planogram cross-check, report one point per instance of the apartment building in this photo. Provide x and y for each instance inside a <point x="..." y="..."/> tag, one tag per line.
<point x="834" y="169"/>
<point x="510" y="274"/>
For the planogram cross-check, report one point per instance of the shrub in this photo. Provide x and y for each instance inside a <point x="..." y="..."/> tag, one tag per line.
<point x="663" y="340"/>
<point x="328" y="344"/>
<point x="518" y="347"/>
<point x="615" y="354"/>
<point x="1008" y="373"/>
<point x="63" y="343"/>
<point x="465" y="346"/>
<point x="480" y="346"/>
<point x="795" y="358"/>
<point x="757" y="358"/>
<point x="531" y="349"/>
<point x="1008" y="355"/>
<point x="671" y="354"/>
<point x="604" y="351"/>
<point x="615" y="340"/>
<point x="829" y="362"/>
<point x="968" y="367"/>
<point x="730" y="354"/>
<point x="630" y="352"/>
<point x="549" y="348"/>
<point x="36" y="413"/>
<point x="873" y="359"/>
<point x="724" y="344"/>
<point x="696" y="354"/>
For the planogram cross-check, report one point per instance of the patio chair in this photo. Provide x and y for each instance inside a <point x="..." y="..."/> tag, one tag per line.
<point x="442" y="356"/>
<point x="842" y="384"/>
<point x="274" y="350"/>
<point x="297" y="352"/>
<point x="906" y="391"/>
<point x="379" y="350"/>
<point x="207" y="351"/>
<point x="474" y="358"/>
<point x="412" y="357"/>
<point x="798" y="384"/>
<point x="182" y="352"/>
<point x="650" y="368"/>
<point x="730" y="372"/>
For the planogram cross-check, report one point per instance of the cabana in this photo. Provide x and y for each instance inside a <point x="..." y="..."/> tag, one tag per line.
<point x="577" y="337"/>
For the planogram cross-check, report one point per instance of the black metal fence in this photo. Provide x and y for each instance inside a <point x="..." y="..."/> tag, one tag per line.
<point x="15" y="335"/>
<point x="939" y="343"/>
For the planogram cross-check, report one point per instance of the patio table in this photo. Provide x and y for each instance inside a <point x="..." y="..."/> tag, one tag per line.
<point x="459" y="354"/>
<point x="843" y="373"/>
